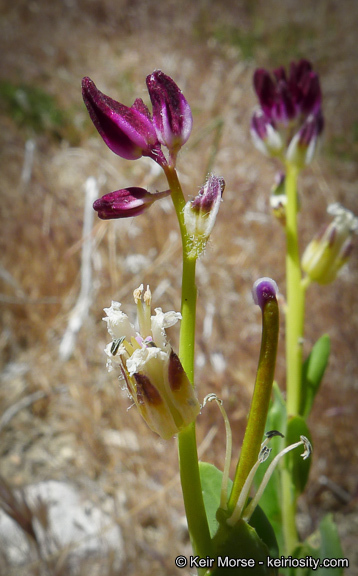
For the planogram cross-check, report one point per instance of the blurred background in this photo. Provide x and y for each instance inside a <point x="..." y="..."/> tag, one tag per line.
<point x="64" y="422"/>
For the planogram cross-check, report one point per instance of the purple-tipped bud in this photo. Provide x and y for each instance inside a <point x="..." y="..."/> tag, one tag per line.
<point x="303" y="145"/>
<point x="200" y="213"/>
<point x="128" y="132"/>
<point x="264" y="135"/>
<point x="172" y="116"/>
<point x="126" y="203"/>
<point x="263" y="290"/>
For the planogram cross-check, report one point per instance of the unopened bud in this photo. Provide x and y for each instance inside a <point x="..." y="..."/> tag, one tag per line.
<point x="330" y="250"/>
<point x="200" y="213"/>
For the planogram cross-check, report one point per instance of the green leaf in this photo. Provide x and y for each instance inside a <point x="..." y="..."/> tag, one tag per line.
<point x="303" y="550"/>
<point x="241" y="541"/>
<point x="299" y="468"/>
<point x="265" y="531"/>
<point x="330" y="546"/>
<point x="313" y="370"/>
<point x="211" y="478"/>
<point x="322" y="544"/>
<point x="256" y="540"/>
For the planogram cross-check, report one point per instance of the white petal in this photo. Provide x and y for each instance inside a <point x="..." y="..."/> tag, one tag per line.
<point x="140" y="357"/>
<point x="161" y="321"/>
<point x="118" y="323"/>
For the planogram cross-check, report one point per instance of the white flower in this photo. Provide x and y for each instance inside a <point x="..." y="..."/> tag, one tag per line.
<point x="153" y="373"/>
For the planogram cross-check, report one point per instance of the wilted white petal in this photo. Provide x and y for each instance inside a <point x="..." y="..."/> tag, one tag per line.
<point x="160" y="322"/>
<point x="118" y="323"/>
<point x="141" y="357"/>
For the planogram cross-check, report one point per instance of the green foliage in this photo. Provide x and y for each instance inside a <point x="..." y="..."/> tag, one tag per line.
<point x="312" y="373"/>
<point x="330" y="546"/>
<point x="322" y="544"/>
<point x="299" y="468"/>
<point x="241" y="541"/>
<point x="289" y="39"/>
<point x="246" y="40"/>
<point x="32" y="108"/>
<point x="211" y="478"/>
<point x="256" y="540"/>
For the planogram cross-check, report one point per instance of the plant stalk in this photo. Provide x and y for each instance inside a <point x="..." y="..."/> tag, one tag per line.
<point x="187" y="446"/>
<point x="260" y="401"/>
<point x="295" y="295"/>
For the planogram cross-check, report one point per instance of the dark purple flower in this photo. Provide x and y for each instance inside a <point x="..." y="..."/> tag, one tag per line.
<point x="285" y="98"/>
<point x="126" y="203"/>
<point x="128" y="132"/>
<point x="172" y="116"/>
<point x="290" y="117"/>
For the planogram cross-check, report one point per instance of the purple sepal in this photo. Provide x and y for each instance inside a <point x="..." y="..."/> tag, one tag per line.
<point x="311" y="129"/>
<point x="264" y="134"/>
<point x="263" y="290"/>
<point x="126" y="203"/>
<point x="209" y="195"/>
<point x="128" y="132"/>
<point x="172" y="116"/>
<point x="265" y="90"/>
<point x="303" y="145"/>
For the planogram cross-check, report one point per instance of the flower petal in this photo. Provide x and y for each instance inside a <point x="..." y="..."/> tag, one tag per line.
<point x="126" y="202"/>
<point x="172" y="116"/>
<point x="128" y="132"/>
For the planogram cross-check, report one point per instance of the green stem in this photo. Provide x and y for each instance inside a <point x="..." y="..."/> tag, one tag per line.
<point x="295" y="298"/>
<point x="295" y="311"/>
<point x="188" y="455"/>
<point x="260" y="401"/>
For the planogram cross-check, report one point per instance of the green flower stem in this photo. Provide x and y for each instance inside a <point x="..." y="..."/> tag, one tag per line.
<point x="188" y="455"/>
<point x="178" y="201"/>
<point x="295" y="297"/>
<point x="295" y="311"/>
<point x="260" y="401"/>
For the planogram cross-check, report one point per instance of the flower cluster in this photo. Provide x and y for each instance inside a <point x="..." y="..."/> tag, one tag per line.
<point x="289" y="120"/>
<point x="154" y="376"/>
<point x="133" y="132"/>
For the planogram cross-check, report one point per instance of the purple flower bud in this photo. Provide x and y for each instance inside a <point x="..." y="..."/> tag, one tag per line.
<point x="303" y="145"/>
<point x="304" y="84"/>
<point x="172" y="116"/>
<point x="265" y="90"/>
<point x="264" y="135"/>
<point x="128" y="132"/>
<point x="285" y="108"/>
<point x="126" y="203"/>
<point x="264" y="289"/>
<point x="200" y="213"/>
